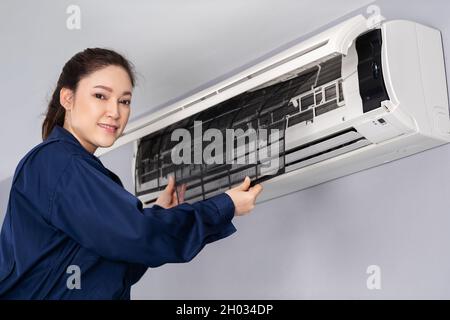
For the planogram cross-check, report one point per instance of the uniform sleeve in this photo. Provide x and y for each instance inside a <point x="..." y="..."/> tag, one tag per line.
<point x="102" y="216"/>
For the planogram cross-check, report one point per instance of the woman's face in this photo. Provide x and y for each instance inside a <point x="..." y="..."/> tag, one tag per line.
<point x="102" y="98"/>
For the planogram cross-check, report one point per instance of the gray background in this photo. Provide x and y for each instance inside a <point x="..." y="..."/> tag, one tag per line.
<point x="316" y="243"/>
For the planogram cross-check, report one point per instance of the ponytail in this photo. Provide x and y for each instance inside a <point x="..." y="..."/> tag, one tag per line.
<point x="55" y="115"/>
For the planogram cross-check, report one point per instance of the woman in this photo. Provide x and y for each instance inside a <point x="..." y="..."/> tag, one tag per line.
<point x="71" y="230"/>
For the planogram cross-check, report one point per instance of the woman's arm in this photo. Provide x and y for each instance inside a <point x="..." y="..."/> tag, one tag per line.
<point x="102" y="216"/>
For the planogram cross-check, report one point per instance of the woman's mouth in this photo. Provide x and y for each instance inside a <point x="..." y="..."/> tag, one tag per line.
<point x="108" y="128"/>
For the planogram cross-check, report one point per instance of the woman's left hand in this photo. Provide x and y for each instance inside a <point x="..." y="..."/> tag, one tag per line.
<point x="168" y="197"/>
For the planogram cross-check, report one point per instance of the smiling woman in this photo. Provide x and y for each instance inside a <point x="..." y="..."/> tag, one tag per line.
<point x="97" y="114"/>
<point x="67" y="211"/>
<point x="92" y="100"/>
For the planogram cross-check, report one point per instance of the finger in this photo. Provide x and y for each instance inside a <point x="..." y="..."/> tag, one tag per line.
<point x="256" y="190"/>
<point x="170" y="184"/>
<point x="244" y="185"/>
<point x="174" y="199"/>
<point x="181" y="193"/>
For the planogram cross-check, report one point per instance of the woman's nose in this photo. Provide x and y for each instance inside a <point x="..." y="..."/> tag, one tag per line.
<point x="113" y="110"/>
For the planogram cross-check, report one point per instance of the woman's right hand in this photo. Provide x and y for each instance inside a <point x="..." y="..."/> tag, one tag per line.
<point x="244" y="197"/>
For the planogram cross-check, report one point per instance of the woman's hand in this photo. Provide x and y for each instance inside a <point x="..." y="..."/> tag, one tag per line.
<point x="244" y="197"/>
<point x="168" y="197"/>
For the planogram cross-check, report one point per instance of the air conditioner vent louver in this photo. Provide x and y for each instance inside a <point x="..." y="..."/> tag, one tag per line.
<point x="324" y="148"/>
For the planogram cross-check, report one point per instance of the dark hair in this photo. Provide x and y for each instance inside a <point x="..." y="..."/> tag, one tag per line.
<point x="79" y="66"/>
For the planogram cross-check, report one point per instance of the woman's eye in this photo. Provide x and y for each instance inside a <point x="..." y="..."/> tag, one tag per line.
<point x="126" y="102"/>
<point x="99" y="96"/>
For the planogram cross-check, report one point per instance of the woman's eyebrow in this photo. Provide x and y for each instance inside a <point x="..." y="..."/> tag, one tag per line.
<point x="111" y="90"/>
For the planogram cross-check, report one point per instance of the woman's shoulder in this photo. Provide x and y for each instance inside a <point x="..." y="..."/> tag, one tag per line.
<point x="46" y="160"/>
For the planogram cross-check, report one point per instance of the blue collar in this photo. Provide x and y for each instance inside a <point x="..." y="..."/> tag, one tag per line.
<point x="61" y="133"/>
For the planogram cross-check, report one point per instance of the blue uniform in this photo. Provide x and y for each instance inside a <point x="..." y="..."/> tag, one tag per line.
<point x="66" y="209"/>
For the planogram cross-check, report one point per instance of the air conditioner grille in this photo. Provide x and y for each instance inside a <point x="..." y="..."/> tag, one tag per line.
<point x="311" y="93"/>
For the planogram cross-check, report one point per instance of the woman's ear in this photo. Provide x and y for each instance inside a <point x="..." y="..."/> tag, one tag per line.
<point x="66" y="98"/>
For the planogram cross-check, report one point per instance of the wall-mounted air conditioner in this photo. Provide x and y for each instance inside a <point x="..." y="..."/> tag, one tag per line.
<point x="350" y="98"/>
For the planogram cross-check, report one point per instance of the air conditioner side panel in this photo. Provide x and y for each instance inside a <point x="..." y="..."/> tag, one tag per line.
<point x="432" y="70"/>
<point x="415" y="78"/>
